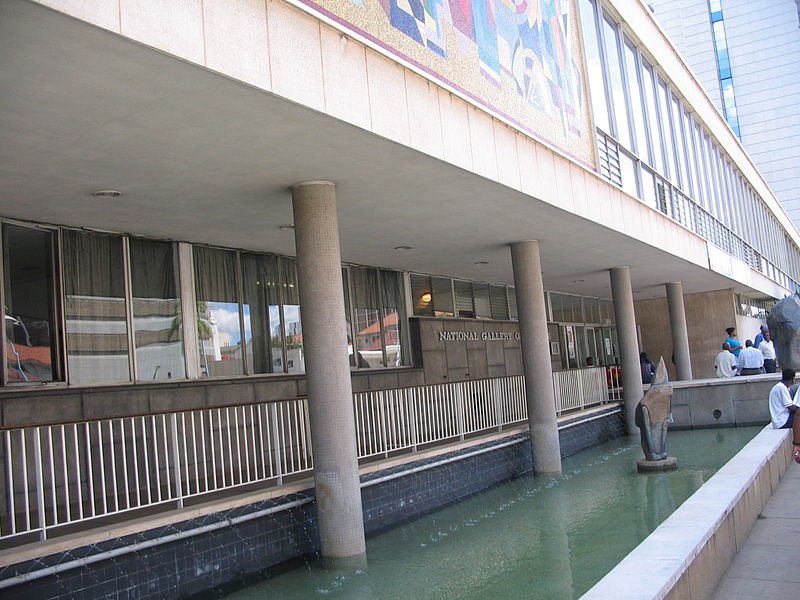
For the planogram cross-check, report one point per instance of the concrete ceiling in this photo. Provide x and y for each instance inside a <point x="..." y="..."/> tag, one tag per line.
<point x="203" y="158"/>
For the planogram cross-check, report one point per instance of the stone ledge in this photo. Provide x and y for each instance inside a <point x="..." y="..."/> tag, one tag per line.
<point x="668" y="562"/>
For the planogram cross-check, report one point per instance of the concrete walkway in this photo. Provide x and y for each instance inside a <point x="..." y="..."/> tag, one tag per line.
<point x="766" y="566"/>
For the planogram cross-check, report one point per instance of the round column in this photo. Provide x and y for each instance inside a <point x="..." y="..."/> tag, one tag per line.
<point x="680" y="333"/>
<point x="625" y="321"/>
<point x="330" y="395"/>
<point x="536" y="358"/>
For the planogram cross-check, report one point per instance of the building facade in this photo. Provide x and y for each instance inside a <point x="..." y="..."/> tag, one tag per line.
<point x="745" y="54"/>
<point x="248" y="217"/>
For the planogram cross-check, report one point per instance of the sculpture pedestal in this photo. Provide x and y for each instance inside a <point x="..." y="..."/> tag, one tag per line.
<point x="654" y="466"/>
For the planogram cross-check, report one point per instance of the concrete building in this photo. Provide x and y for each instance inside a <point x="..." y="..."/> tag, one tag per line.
<point x="747" y="57"/>
<point x="230" y="228"/>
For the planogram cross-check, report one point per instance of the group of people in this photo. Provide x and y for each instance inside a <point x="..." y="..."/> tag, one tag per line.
<point x="753" y="358"/>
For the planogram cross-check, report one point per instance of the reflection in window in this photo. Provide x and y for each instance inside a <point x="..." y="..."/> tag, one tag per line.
<point x="94" y="308"/>
<point x="483" y="307"/>
<point x="393" y="317"/>
<point x="29" y="308"/>
<point x="157" y="323"/>
<point x="218" y="325"/>
<point x="366" y="307"/>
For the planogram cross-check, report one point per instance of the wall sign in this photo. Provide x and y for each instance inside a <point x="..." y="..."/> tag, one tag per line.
<point x="474" y="336"/>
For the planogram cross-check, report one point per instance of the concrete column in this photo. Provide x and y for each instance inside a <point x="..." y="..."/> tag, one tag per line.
<point x="680" y="333"/>
<point x="536" y="357"/>
<point x="625" y="320"/>
<point x="330" y="395"/>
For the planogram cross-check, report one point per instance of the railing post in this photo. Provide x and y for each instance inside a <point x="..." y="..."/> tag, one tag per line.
<point x="460" y="409"/>
<point x="176" y="459"/>
<point x="497" y="392"/>
<point x="37" y="458"/>
<point x="277" y="440"/>
<point x="411" y="402"/>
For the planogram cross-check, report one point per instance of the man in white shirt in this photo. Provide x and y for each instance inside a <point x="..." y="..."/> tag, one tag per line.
<point x="725" y="363"/>
<point x="783" y="410"/>
<point x="750" y="361"/>
<point x="767" y="349"/>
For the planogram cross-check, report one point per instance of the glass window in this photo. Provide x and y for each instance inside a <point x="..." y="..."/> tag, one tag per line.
<point x="666" y="132"/>
<point x="394" y="316"/>
<point x="30" y="324"/>
<point x="649" y="188"/>
<point x="271" y="310"/>
<point x="614" y="71"/>
<point x="483" y="305"/>
<point x="499" y="301"/>
<point x="442" y="297"/>
<point x="652" y="117"/>
<point x="637" y="108"/>
<point x="680" y="149"/>
<point x="219" y="329"/>
<point x="627" y="167"/>
<point x="512" y="303"/>
<point x="367" y="311"/>
<point x="157" y="323"/>
<point x="463" y="295"/>
<point x="594" y="67"/>
<point x="422" y="295"/>
<point x="94" y="308"/>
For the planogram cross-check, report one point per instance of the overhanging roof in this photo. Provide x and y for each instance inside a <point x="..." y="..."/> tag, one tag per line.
<point x="204" y="158"/>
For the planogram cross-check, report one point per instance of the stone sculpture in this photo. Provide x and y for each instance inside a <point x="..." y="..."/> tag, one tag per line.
<point x="784" y="326"/>
<point x="652" y="419"/>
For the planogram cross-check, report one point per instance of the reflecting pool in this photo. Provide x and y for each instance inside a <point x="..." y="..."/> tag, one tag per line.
<point x="530" y="538"/>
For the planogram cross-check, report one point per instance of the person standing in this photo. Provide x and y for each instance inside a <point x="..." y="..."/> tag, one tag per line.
<point x="750" y="361"/>
<point x="782" y="409"/>
<point x="648" y="368"/>
<point x="725" y="363"/>
<point x="735" y="345"/>
<point x="767" y="349"/>
<point x="760" y="337"/>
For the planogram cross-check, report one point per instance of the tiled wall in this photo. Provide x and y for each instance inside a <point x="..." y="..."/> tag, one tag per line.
<point x="233" y="555"/>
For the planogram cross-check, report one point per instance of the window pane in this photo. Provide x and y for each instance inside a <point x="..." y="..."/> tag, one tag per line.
<point x="622" y="133"/>
<point x="512" y="303"/>
<point x="497" y="295"/>
<point x="627" y="167"/>
<point x="666" y="129"/>
<point x="393" y="317"/>
<point x="442" y="296"/>
<point x="218" y="327"/>
<point x="422" y="295"/>
<point x="483" y="307"/>
<point x="31" y="353"/>
<point x="261" y="285"/>
<point x="94" y="308"/>
<point x="637" y="108"/>
<point x="594" y="68"/>
<point x="652" y="117"/>
<point x="366" y="304"/>
<point x="157" y="323"/>
<point x="463" y="293"/>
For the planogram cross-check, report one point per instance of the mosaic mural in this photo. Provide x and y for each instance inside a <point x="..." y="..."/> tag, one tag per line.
<point x="520" y="58"/>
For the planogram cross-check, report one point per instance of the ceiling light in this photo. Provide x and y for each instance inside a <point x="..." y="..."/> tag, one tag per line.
<point x="107" y="194"/>
<point x="404" y="247"/>
<point x="481" y="262"/>
<point x="286" y="227"/>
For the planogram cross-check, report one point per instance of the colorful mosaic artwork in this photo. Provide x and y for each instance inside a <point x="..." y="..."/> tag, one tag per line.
<point x="509" y="55"/>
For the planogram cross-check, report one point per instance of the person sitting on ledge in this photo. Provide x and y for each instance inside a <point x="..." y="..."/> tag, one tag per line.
<point x="783" y="410"/>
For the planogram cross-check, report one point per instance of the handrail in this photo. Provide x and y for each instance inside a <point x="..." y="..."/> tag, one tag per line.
<point x="65" y="473"/>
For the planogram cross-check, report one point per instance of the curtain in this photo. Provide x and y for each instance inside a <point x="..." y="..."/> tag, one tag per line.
<point x="157" y="320"/>
<point x="95" y="312"/>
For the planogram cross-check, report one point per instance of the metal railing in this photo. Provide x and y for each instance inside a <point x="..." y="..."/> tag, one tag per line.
<point x="61" y="474"/>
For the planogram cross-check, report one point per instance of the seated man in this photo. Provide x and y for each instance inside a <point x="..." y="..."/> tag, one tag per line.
<point x="750" y="361"/>
<point x="782" y="409"/>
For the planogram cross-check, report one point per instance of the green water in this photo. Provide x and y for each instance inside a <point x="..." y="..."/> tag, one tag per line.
<point x="531" y="538"/>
